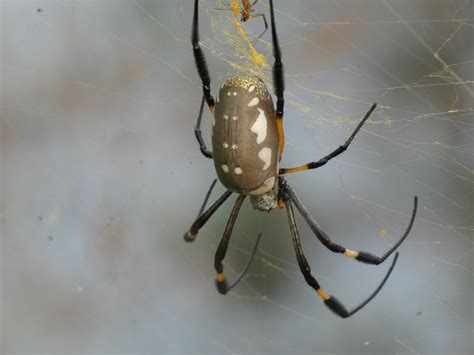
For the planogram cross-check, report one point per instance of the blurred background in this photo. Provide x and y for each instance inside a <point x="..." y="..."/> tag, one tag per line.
<point x="101" y="176"/>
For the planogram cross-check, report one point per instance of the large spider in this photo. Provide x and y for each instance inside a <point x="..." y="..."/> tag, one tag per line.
<point x="247" y="145"/>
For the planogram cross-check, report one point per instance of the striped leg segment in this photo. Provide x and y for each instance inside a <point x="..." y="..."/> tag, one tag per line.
<point x="221" y="283"/>
<point x="223" y="288"/>
<point x="198" y="134"/>
<point x="362" y="256"/>
<point x="190" y="236"/>
<point x="330" y="301"/>
<point x="200" y="59"/>
<point x="204" y="217"/>
<point x="278" y="81"/>
<point x="341" y="149"/>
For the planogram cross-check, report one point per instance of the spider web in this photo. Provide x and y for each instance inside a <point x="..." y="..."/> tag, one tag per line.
<point x="101" y="176"/>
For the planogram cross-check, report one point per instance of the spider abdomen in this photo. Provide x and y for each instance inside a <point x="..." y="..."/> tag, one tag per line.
<point x="245" y="136"/>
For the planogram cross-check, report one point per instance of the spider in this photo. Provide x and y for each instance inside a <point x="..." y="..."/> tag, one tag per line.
<point x="245" y="14"/>
<point x="247" y="146"/>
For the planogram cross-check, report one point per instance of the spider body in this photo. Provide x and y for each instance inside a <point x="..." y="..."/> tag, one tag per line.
<point x="247" y="13"/>
<point x="246" y="10"/>
<point x="245" y="137"/>
<point x="248" y="142"/>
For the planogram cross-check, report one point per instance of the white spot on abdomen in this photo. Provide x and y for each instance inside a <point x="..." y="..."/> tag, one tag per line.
<point x="238" y="171"/>
<point x="251" y="88"/>
<point x="253" y="102"/>
<point x="269" y="182"/>
<point x="260" y="126"/>
<point x="225" y="168"/>
<point x="265" y="155"/>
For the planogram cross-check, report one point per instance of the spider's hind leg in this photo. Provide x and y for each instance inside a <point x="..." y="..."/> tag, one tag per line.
<point x="202" y="218"/>
<point x="330" y="301"/>
<point x="362" y="256"/>
<point x="221" y="282"/>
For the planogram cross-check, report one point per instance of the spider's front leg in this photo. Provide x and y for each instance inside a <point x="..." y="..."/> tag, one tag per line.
<point x="198" y="134"/>
<point x="200" y="59"/>
<point x="203" y="71"/>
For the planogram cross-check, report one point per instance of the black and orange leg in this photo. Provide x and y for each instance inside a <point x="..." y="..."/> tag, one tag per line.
<point x="278" y="82"/>
<point x="221" y="282"/>
<point x="362" y="256"/>
<point x="330" y="301"/>
<point x="341" y="149"/>
<point x="198" y="134"/>
<point x="204" y="217"/>
<point x="200" y="59"/>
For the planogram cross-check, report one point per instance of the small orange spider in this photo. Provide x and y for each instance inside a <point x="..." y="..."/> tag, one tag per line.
<point x="245" y="14"/>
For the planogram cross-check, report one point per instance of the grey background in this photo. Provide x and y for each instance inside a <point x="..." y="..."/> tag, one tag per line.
<point x="101" y="176"/>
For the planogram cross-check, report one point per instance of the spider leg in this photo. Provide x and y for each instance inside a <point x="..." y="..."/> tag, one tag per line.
<point x="264" y="21"/>
<point x="200" y="59"/>
<point x="341" y="149"/>
<point x="247" y="266"/>
<point x="204" y="217"/>
<point x="278" y="82"/>
<point x="206" y="198"/>
<point x="198" y="134"/>
<point x="361" y="256"/>
<point x="221" y="282"/>
<point x="330" y="301"/>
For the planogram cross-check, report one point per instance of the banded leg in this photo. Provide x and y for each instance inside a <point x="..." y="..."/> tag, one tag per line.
<point x="204" y="217"/>
<point x="221" y="283"/>
<point x="244" y="270"/>
<point x="330" y="301"/>
<point x="198" y="134"/>
<point x="200" y="59"/>
<point x="341" y="149"/>
<point x="362" y="256"/>
<point x="278" y="82"/>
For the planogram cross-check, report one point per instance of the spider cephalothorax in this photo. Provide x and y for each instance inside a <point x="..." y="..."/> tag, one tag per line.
<point x="266" y="201"/>
<point x="247" y="145"/>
